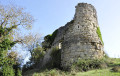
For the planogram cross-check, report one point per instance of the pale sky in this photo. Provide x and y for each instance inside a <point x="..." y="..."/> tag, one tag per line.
<point x="51" y="14"/>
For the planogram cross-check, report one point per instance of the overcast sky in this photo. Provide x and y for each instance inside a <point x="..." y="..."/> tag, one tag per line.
<point x="51" y="14"/>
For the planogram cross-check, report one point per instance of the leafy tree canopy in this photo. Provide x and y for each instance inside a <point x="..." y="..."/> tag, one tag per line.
<point x="12" y="19"/>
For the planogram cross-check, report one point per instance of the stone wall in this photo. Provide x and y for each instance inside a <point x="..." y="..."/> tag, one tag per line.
<point x="78" y="38"/>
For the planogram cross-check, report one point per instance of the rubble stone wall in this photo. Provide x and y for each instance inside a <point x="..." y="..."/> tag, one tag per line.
<point x="78" y="38"/>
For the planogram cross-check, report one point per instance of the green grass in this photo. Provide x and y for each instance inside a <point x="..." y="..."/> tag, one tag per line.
<point x="113" y="62"/>
<point x="99" y="72"/>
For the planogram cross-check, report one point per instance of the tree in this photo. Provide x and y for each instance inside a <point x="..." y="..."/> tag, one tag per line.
<point x="31" y="41"/>
<point x="14" y="57"/>
<point x="7" y="70"/>
<point x="33" y="45"/>
<point x="11" y="65"/>
<point x="11" y="19"/>
<point x="37" y="54"/>
<point x="35" y="59"/>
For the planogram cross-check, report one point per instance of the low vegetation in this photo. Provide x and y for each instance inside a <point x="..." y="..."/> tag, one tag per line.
<point x="97" y="72"/>
<point x="82" y="69"/>
<point x="116" y="69"/>
<point x="89" y="64"/>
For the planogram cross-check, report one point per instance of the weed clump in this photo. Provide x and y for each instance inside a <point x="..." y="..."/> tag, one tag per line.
<point x="88" y="64"/>
<point x="116" y="69"/>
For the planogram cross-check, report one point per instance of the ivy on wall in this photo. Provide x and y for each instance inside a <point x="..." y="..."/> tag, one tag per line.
<point x="99" y="34"/>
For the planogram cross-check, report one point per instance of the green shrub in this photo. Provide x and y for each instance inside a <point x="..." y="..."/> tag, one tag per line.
<point x="37" y="54"/>
<point x="87" y="64"/>
<point x="7" y="70"/>
<point x="19" y="72"/>
<point x="53" y="72"/>
<point x="0" y="71"/>
<point x="116" y="69"/>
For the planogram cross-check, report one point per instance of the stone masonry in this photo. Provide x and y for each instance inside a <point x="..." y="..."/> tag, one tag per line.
<point x="78" y="38"/>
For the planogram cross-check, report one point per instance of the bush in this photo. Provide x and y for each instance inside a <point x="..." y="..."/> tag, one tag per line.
<point x="19" y="72"/>
<point x="52" y="72"/>
<point x="116" y="69"/>
<point x="7" y="70"/>
<point x="87" y="64"/>
<point x="37" y="54"/>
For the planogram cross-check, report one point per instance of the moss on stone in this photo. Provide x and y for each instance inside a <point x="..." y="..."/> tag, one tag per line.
<point x="99" y="34"/>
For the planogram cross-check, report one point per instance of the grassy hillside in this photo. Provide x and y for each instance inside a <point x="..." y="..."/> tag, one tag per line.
<point x="96" y="72"/>
<point x="99" y="72"/>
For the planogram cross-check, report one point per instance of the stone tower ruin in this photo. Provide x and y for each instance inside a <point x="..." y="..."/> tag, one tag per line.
<point x="79" y="37"/>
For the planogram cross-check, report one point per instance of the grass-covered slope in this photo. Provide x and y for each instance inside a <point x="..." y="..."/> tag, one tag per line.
<point x="99" y="72"/>
<point x="96" y="72"/>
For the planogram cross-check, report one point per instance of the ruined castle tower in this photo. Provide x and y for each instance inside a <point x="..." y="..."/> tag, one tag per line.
<point x="79" y="38"/>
